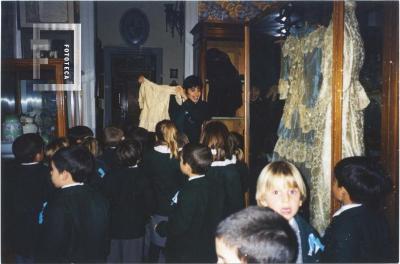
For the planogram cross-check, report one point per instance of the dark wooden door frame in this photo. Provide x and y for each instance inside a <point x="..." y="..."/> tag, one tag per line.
<point x="108" y="53"/>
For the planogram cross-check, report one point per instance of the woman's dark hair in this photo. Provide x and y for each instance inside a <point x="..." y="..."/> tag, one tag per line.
<point x="129" y="152"/>
<point x="364" y="180"/>
<point x="197" y="156"/>
<point x="260" y="235"/>
<point x="77" y="160"/>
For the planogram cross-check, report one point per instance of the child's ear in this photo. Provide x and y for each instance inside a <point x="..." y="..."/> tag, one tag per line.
<point x="65" y="175"/>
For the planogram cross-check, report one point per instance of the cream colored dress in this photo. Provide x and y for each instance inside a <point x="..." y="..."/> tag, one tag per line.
<point x="154" y="103"/>
<point x="305" y="132"/>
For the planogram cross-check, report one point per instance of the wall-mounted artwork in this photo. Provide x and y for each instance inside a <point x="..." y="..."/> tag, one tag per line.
<point x="31" y="12"/>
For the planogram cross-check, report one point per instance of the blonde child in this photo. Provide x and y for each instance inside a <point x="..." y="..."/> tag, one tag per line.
<point x="162" y="167"/>
<point x="281" y="188"/>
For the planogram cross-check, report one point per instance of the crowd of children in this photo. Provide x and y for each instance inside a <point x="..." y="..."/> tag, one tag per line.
<point x="132" y="198"/>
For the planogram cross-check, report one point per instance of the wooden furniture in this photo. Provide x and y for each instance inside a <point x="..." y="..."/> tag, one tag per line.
<point x="228" y="38"/>
<point x="15" y="70"/>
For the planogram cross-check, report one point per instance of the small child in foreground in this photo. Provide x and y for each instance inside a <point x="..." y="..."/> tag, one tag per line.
<point x="255" y="235"/>
<point x="281" y="188"/>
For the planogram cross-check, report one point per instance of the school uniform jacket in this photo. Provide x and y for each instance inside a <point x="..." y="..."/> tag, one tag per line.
<point x="310" y="251"/>
<point x="30" y="188"/>
<point x="166" y="179"/>
<point x="190" y="228"/>
<point x="225" y="179"/>
<point x="75" y="227"/>
<point x="126" y="189"/>
<point x="357" y="235"/>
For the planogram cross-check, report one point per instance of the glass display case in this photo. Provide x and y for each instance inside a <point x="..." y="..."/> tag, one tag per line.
<point x="25" y="110"/>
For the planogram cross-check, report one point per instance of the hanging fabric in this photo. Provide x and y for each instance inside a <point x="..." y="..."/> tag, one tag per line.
<point x="154" y="101"/>
<point x="305" y="128"/>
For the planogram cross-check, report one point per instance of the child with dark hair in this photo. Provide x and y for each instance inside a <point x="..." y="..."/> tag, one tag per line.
<point x="112" y="137"/>
<point x="223" y="172"/>
<point x="101" y="168"/>
<point x="126" y="187"/>
<point x="77" y="134"/>
<point x="190" y="228"/>
<point x="142" y="136"/>
<point x="53" y="146"/>
<point x="162" y="167"/>
<point x="193" y="112"/>
<point x="255" y="235"/>
<point x="359" y="231"/>
<point x="76" y="220"/>
<point x="30" y="189"/>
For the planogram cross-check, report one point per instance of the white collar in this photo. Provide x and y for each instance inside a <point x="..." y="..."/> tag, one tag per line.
<point x="346" y="207"/>
<point x="71" y="185"/>
<point x="162" y="149"/>
<point x="222" y="163"/>
<point x="134" y="166"/>
<point x="196" y="177"/>
<point x="30" y="163"/>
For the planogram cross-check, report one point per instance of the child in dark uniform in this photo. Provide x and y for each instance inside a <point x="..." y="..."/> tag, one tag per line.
<point x="126" y="187"/>
<point x="223" y="173"/>
<point x="31" y="187"/>
<point x="359" y="231"/>
<point x="281" y="188"/>
<point x="193" y="112"/>
<point x="162" y="168"/>
<point x="190" y="228"/>
<point x="76" y="219"/>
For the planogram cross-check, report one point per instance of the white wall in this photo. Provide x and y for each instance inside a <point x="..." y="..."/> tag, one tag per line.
<point x="108" y="18"/>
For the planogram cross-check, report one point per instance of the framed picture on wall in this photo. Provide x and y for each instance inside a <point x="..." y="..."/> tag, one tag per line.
<point x="31" y="12"/>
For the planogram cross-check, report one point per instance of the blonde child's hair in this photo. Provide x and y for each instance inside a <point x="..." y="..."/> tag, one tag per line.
<point x="93" y="145"/>
<point x="283" y="172"/>
<point x="55" y="145"/>
<point x="112" y="136"/>
<point x="167" y="134"/>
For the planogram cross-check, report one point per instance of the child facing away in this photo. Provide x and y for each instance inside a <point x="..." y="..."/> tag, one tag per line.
<point x="76" y="219"/>
<point x="53" y="146"/>
<point x="101" y="168"/>
<point x="359" y="231"/>
<point x="223" y="173"/>
<point x="111" y="137"/>
<point x="190" y="228"/>
<point x="29" y="189"/>
<point x="255" y="235"/>
<point x="126" y="187"/>
<point x="162" y="168"/>
<point x="281" y="188"/>
<point x="77" y="134"/>
<point x="190" y="117"/>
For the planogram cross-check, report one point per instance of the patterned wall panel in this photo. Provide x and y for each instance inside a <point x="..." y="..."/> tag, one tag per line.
<point x="231" y="10"/>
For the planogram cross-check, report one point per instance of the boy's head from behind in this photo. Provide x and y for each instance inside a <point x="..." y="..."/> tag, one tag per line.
<point x="28" y="148"/>
<point x="281" y="188"/>
<point x="129" y="153"/>
<point x="195" y="159"/>
<point x="193" y="87"/>
<point x="362" y="180"/>
<point x="255" y="235"/>
<point x="77" y="134"/>
<point x="70" y="165"/>
<point x="112" y="136"/>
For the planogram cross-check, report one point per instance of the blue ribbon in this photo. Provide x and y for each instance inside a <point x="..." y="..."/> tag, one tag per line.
<point x="40" y="220"/>
<point x="314" y="245"/>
